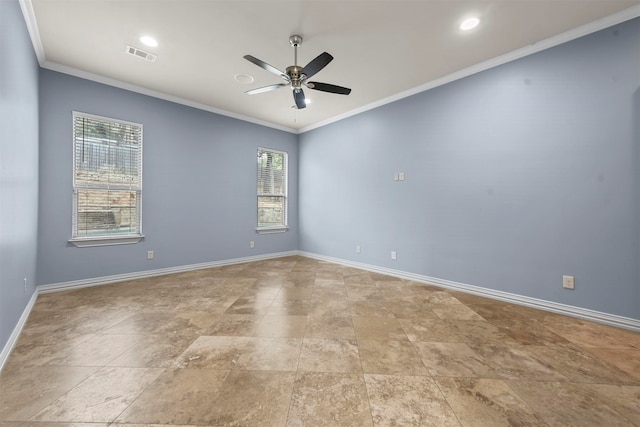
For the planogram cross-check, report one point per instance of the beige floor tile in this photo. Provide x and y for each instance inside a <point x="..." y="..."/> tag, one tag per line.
<point x="296" y="341"/>
<point x="249" y="305"/>
<point x="487" y="402"/>
<point x="366" y="292"/>
<point x="25" y="392"/>
<point x="624" y="400"/>
<point x="330" y="327"/>
<point x="39" y="350"/>
<point x="329" y="355"/>
<point x="592" y="335"/>
<point x="581" y="366"/>
<point x="390" y="357"/>
<point x="56" y="424"/>
<point x="274" y="326"/>
<point x="178" y="396"/>
<point x="568" y="404"/>
<point x="444" y="359"/>
<point x="330" y="308"/>
<point x="98" y="350"/>
<point x="329" y="399"/>
<point x="378" y="328"/>
<point x="467" y="331"/>
<point x="249" y="353"/>
<point x="370" y="309"/>
<point x="627" y="360"/>
<point x="154" y="351"/>
<point x="528" y="332"/>
<point x="457" y="311"/>
<point x="293" y="291"/>
<point x="290" y="308"/>
<point x="516" y="362"/>
<point x="411" y="309"/>
<point x="236" y="325"/>
<point x="398" y="400"/>
<point x="252" y="398"/>
<point x="101" y="397"/>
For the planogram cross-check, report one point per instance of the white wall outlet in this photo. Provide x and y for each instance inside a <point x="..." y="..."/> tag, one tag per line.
<point x="396" y="176"/>
<point x="25" y="285"/>
<point x="401" y="176"/>
<point x="149" y="254"/>
<point x="568" y="282"/>
<point x="252" y="244"/>
<point x="357" y="249"/>
<point x="393" y="255"/>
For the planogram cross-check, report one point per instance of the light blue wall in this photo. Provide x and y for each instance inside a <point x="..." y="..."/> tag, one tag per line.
<point x="18" y="167"/>
<point x="199" y="183"/>
<point x="515" y="177"/>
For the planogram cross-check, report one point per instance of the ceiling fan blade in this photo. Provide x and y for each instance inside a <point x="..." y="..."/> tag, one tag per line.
<point x="317" y="64"/>
<point x="326" y="87"/>
<point x="266" y="88"/>
<point x="266" y="66"/>
<point x="298" y="96"/>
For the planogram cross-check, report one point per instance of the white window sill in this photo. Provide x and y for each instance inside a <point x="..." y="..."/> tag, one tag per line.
<point x="271" y="230"/>
<point x="85" y="242"/>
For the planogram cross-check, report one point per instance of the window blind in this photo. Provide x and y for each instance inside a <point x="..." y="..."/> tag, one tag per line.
<point x="272" y="188"/>
<point x="107" y="177"/>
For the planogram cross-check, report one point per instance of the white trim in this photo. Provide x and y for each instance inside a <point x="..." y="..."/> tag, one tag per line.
<point x="554" y="307"/>
<point x="595" y="316"/>
<point x="13" y="338"/>
<point x="272" y="230"/>
<point x="592" y="27"/>
<point x="106" y="280"/>
<point x="32" y="27"/>
<point x="88" y="242"/>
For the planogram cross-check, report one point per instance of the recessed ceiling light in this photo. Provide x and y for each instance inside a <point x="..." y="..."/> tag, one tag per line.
<point x="469" y="24"/>
<point x="149" y="41"/>
<point x="243" y="78"/>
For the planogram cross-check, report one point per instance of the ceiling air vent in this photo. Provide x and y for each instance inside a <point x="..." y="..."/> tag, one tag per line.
<point x="141" y="54"/>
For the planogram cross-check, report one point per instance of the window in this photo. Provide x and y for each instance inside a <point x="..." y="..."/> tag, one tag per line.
<point x="272" y="191"/>
<point x="107" y="181"/>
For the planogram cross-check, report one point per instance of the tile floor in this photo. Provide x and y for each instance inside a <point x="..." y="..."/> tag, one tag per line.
<point x="299" y="342"/>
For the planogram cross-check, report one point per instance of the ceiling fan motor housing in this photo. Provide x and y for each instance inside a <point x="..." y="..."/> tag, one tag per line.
<point x="295" y="76"/>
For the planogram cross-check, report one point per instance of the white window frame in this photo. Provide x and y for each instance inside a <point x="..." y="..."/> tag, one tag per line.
<point x="281" y="228"/>
<point x="106" y="239"/>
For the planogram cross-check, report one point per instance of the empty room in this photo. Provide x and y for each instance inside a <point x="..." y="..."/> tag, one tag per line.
<point x="319" y="213"/>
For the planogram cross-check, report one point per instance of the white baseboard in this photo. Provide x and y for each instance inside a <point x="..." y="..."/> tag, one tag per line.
<point x="13" y="338"/>
<point x="554" y="307"/>
<point x="105" y="280"/>
<point x="592" y="315"/>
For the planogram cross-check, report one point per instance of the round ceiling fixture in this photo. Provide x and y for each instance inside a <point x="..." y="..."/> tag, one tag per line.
<point x="243" y="78"/>
<point x="469" y="24"/>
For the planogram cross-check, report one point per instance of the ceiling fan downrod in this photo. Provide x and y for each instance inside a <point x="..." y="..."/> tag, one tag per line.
<point x="294" y="71"/>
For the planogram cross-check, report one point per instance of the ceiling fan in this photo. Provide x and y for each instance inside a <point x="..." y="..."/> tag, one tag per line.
<point x="296" y="76"/>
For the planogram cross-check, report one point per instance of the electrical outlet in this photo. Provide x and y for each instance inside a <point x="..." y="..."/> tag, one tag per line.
<point x="149" y="254"/>
<point x="401" y="176"/>
<point x="25" y="285"/>
<point x="568" y="282"/>
<point x="252" y="244"/>
<point x="393" y="255"/>
<point x="357" y="249"/>
<point x="396" y="176"/>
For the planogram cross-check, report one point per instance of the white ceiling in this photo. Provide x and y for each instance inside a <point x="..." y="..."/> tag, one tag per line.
<point x="383" y="50"/>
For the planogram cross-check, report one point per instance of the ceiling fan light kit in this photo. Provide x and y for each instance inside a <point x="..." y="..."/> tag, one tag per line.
<point x="296" y="76"/>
